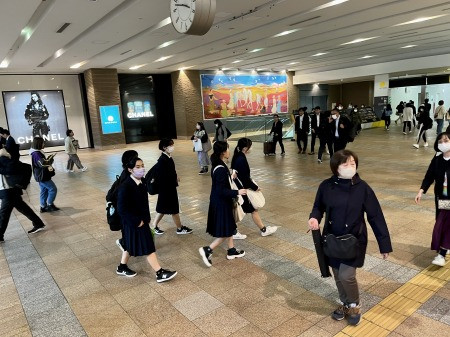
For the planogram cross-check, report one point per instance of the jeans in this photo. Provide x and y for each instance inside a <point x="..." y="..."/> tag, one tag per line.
<point x="48" y="193"/>
<point x="345" y="278"/>
<point x="73" y="159"/>
<point x="13" y="198"/>
<point x="440" y="125"/>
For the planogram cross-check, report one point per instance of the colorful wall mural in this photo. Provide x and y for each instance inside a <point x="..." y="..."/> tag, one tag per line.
<point x="226" y="96"/>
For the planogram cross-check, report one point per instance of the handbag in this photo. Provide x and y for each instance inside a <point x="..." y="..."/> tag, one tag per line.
<point x="444" y="204"/>
<point x="207" y="146"/>
<point x="198" y="147"/>
<point x="238" y="212"/>
<point x="343" y="247"/>
<point x="256" y="198"/>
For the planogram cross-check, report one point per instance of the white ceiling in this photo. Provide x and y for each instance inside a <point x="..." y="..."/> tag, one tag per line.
<point x="125" y="33"/>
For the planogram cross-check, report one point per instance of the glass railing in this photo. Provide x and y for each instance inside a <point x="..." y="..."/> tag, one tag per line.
<point x="257" y="128"/>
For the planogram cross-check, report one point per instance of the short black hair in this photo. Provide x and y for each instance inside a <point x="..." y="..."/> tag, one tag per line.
<point x="68" y="132"/>
<point x="276" y="115"/>
<point x="441" y="102"/>
<point x="132" y="163"/>
<point x="341" y="157"/>
<point x="165" y="142"/>
<point x="317" y="108"/>
<point x="4" y="131"/>
<point x="438" y="138"/>
<point x="38" y="143"/>
<point x="127" y="156"/>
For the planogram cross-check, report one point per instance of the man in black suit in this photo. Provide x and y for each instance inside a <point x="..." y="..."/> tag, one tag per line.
<point x="302" y="130"/>
<point x="316" y="120"/>
<point x="427" y="106"/>
<point x="277" y="130"/>
<point x="340" y="129"/>
<point x="10" y="144"/>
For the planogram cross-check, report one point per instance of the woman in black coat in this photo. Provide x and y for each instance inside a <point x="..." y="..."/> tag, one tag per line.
<point x="221" y="224"/>
<point x="239" y="164"/>
<point x="437" y="173"/>
<point x="424" y="123"/>
<point x="132" y="205"/>
<point x="345" y="198"/>
<point x="168" y="197"/>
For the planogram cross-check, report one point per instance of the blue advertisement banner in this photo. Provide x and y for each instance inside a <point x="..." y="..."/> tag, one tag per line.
<point x="110" y="118"/>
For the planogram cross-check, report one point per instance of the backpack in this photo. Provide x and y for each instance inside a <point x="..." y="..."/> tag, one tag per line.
<point x="112" y="215"/>
<point x="151" y="180"/>
<point x="22" y="177"/>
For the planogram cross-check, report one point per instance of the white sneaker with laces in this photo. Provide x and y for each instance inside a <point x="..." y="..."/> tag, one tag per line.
<point x="439" y="260"/>
<point x="269" y="230"/>
<point x="426" y="144"/>
<point x="239" y="236"/>
<point x="416" y="146"/>
<point x="84" y="168"/>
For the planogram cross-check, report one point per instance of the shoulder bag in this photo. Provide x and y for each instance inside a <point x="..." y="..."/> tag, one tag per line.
<point x="238" y="212"/>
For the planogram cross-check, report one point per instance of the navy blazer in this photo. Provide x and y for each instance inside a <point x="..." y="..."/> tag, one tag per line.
<point x="132" y="203"/>
<point x="240" y="164"/>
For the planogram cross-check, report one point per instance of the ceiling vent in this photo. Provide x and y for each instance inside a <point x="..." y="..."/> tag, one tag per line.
<point x="303" y="21"/>
<point x="230" y="43"/>
<point x="63" y="27"/>
<point x="401" y="35"/>
<point x="125" y="52"/>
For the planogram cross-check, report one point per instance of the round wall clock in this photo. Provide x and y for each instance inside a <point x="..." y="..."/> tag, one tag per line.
<point x="193" y="17"/>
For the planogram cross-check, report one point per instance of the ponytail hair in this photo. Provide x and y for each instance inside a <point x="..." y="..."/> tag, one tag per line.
<point x="218" y="149"/>
<point x="242" y="142"/>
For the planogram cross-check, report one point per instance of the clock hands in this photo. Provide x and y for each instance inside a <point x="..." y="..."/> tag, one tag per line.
<point x="182" y="5"/>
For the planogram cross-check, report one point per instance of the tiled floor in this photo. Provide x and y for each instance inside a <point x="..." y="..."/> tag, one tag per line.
<point x="62" y="281"/>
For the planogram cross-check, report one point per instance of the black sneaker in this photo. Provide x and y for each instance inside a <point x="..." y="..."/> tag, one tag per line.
<point x="43" y="209"/>
<point x="119" y="244"/>
<point x="35" y="230"/>
<point x="158" y="231"/>
<point x="184" y="230"/>
<point x="234" y="253"/>
<point x="125" y="271"/>
<point x="202" y="171"/>
<point x="52" y="208"/>
<point x="206" y="254"/>
<point x="164" y="275"/>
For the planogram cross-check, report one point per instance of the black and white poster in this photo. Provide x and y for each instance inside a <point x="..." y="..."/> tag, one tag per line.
<point x="36" y="113"/>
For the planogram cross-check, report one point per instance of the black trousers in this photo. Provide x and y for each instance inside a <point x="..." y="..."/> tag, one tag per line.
<point x="313" y="140"/>
<point x="279" y="139"/>
<point x="408" y="123"/>
<point x="302" y="137"/>
<point x="325" y="142"/>
<point x="338" y="144"/>
<point x="13" y="199"/>
<point x="387" y="121"/>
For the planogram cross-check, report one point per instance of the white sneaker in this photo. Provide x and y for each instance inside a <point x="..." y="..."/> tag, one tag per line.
<point x="426" y="144"/>
<point x="404" y="133"/>
<point x="416" y="146"/>
<point x="439" y="260"/>
<point x="84" y="168"/>
<point x="239" y="236"/>
<point x="269" y="230"/>
<point x="69" y="171"/>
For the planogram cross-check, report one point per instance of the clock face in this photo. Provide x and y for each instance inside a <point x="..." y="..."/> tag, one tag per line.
<point x="182" y="13"/>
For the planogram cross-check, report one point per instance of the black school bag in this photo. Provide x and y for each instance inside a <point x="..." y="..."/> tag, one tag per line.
<point x="151" y="180"/>
<point x="112" y="215"/>
<point x="22" y="176"/>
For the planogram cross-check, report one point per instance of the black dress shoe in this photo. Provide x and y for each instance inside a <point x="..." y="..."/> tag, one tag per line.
<point x="52" y="208"/>
<point x="43" y="209"/>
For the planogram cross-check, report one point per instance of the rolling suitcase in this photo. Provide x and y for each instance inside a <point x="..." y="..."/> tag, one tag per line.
<point x="269" y="148"/>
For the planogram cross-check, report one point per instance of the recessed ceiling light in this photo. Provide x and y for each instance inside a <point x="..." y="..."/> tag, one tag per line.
<point x="237" y="61"/>
<point x="319" y="54"/>
<point x="359" y="40"/>
<point x="286" y="32"/>
<point x="4" y="64"/>
<point x="418" y="20"/>
<point x="78" y="65"/>
<point x="409" y="46"/>
<point x="366" y="57"/>
<point x="163" y="58"/>
<point x="166" y="44"/>
<point x="184" y="68"/>
<point x="256" y="50"/>
<point x="138" y="66"/>
<point x="328" y="4"/>
<point x="292" y="63"/>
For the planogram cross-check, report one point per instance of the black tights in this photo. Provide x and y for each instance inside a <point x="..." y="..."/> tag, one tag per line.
<point x="443" y="252"/>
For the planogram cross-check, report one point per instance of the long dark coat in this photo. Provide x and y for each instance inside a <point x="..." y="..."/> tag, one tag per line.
<point x="168" y="181"/>
<point x="132" y="205"/>
<point x="221" y="222"/>
<point x="347" y="200"/>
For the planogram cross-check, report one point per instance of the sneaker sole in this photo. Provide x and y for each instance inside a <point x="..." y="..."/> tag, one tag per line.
<point x="37" y="230"/>
<point x="337" y="318"/>
<point x="437" y="264"/>
<point x="232" y="257"/>
<point x="120" y="246"/>
<point x="122" y="274"/>
<point x="167" y="279"/>
<point x="158" y="233"/>
<point x="239" y="237"/>
<point x="203" y="255"/>
<point x="184" y="233"/>
<point x="267" y="234"/>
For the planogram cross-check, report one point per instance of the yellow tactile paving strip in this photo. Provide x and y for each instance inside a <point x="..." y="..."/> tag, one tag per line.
<point x="387" y="315"/>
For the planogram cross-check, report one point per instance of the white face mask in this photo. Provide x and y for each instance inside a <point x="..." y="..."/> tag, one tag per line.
<point x="346" y="172"/>
<point x="216" y="125"/>
<point x="170" y="149"/>
<point x="198" y="127"/>
<point x="334" y="116"/>
<point x="444" y="147"/>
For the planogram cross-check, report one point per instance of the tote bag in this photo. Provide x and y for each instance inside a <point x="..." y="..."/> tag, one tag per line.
<point x="256" y="198"/>
<point x="198" y="147"/>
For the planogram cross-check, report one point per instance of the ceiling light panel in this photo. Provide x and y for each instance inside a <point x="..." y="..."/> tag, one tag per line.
<point x="163" y="58"/>
<point x="286" y="32"/>
<point x="359" y="40"/>
<point x="419" y="20"/>
<point x="409" y="46"/>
